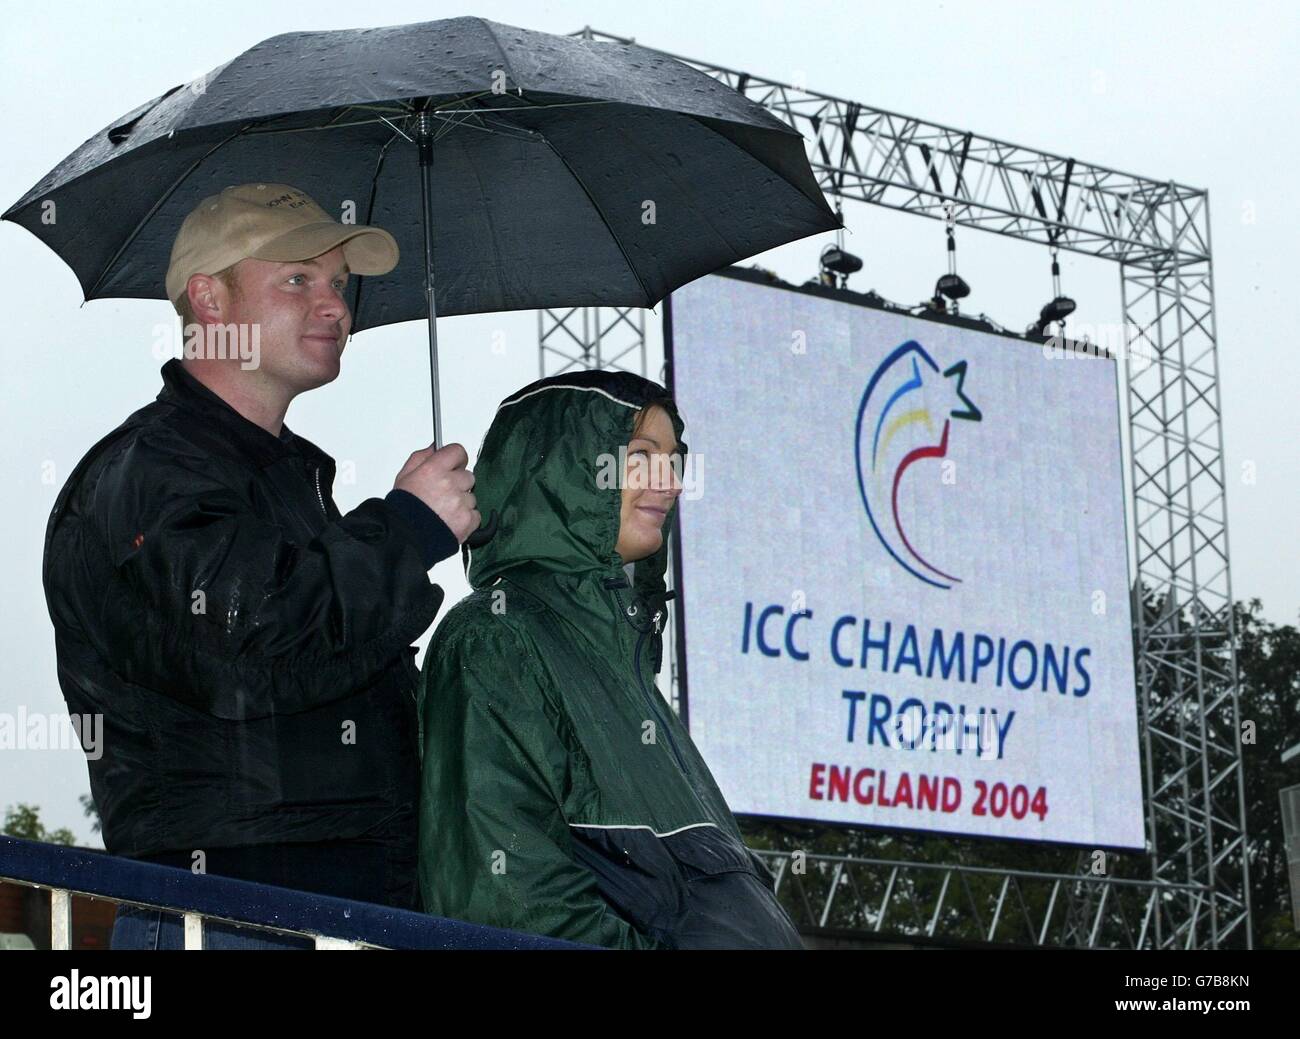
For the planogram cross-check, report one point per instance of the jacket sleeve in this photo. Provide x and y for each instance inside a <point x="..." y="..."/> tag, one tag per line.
<point x="495" y="847"/>
<point x="222" y="609"/>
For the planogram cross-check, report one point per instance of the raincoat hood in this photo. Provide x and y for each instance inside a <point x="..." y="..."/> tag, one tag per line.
<point x="551" y="466"/>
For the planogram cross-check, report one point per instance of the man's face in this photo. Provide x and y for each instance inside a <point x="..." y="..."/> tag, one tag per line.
<point x="304" y="321"/>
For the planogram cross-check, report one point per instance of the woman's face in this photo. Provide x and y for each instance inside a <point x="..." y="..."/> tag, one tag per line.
<point x="650" y="486"/>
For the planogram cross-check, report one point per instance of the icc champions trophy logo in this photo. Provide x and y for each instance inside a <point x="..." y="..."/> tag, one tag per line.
<point x="898" y="425"/>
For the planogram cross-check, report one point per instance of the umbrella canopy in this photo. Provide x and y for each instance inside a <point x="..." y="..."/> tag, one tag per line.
<point x="560" y="171"/>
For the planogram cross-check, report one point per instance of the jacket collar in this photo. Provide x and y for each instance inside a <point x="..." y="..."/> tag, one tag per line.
<point x="181" y="389"/>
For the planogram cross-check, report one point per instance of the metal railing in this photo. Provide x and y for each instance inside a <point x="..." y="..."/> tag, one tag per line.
<point x="906" y="900"/>
<point x="334" y="923"/>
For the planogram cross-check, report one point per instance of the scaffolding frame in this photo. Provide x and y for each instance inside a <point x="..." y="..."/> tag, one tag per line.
<point x="1158" y="232"/>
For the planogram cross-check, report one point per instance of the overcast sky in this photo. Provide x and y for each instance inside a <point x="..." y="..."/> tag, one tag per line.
<point x="1201" y="93"/>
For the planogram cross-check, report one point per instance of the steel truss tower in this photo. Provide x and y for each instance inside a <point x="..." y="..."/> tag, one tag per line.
<point x="591" y="337"/>
<point x="1158" y="233"/>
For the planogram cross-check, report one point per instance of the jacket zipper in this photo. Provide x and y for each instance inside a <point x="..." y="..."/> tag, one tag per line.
<point x="320" y="497"/>
<point x="650" y="697"/>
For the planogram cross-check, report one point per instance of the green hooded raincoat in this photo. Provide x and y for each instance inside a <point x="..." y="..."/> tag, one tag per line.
<point x="560" y="793"/>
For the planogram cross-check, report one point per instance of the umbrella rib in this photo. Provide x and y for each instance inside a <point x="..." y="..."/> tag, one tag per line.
<point x="523" y="133"/>
<point x="396" y="129"/>
<point x="601" y="213"/>
<point x="345" y="109"/>
<point x="370" y="212"/>
<point x="473" y="117"/>
<point x="450" y="124"/>
<point x="446" y="114"/>
<point x="446" y="128"/>
<point x="155" y="207"/>
<point x="459" y="107"/>
<point x="325" y="126"/>
<point x="526" y="135"/>
<point x="461" y="101"/>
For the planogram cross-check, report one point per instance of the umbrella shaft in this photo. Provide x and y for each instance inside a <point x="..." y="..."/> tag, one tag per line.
<point x="424" y="139"/>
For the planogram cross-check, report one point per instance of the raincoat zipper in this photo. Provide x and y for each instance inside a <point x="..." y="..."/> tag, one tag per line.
<point x="636" y="665"/>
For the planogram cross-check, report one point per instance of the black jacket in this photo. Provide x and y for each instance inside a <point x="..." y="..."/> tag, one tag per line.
<point x="248" y="647"/>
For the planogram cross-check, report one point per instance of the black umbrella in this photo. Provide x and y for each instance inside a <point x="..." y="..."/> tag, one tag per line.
<point x="548" y="171"/>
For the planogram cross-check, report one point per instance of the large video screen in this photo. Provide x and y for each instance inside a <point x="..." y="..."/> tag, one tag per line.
<point x="903" y="569"/>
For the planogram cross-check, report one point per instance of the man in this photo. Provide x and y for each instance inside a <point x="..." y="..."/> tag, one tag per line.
<point x="247" y="645"/>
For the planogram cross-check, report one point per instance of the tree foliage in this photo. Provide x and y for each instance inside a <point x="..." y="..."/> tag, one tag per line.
<point x="24" y="820"/>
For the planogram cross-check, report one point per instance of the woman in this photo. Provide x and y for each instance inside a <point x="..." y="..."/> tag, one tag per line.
<point x="561" y="795"/>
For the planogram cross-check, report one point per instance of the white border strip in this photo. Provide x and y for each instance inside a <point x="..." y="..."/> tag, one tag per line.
<point x="583" y="389"/>
<point x="639" y="826"/>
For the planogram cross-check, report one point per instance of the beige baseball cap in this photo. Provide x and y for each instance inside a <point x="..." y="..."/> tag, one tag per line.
<point x="269" y="222"/>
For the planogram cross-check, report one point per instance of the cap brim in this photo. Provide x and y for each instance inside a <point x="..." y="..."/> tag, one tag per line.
<point x="368" y="250"/>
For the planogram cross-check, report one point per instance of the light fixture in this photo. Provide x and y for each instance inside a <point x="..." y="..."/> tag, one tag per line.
<point x="837" y="261"/>
<point x="951" y="286"/>
<point x="1058" y="309"/>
